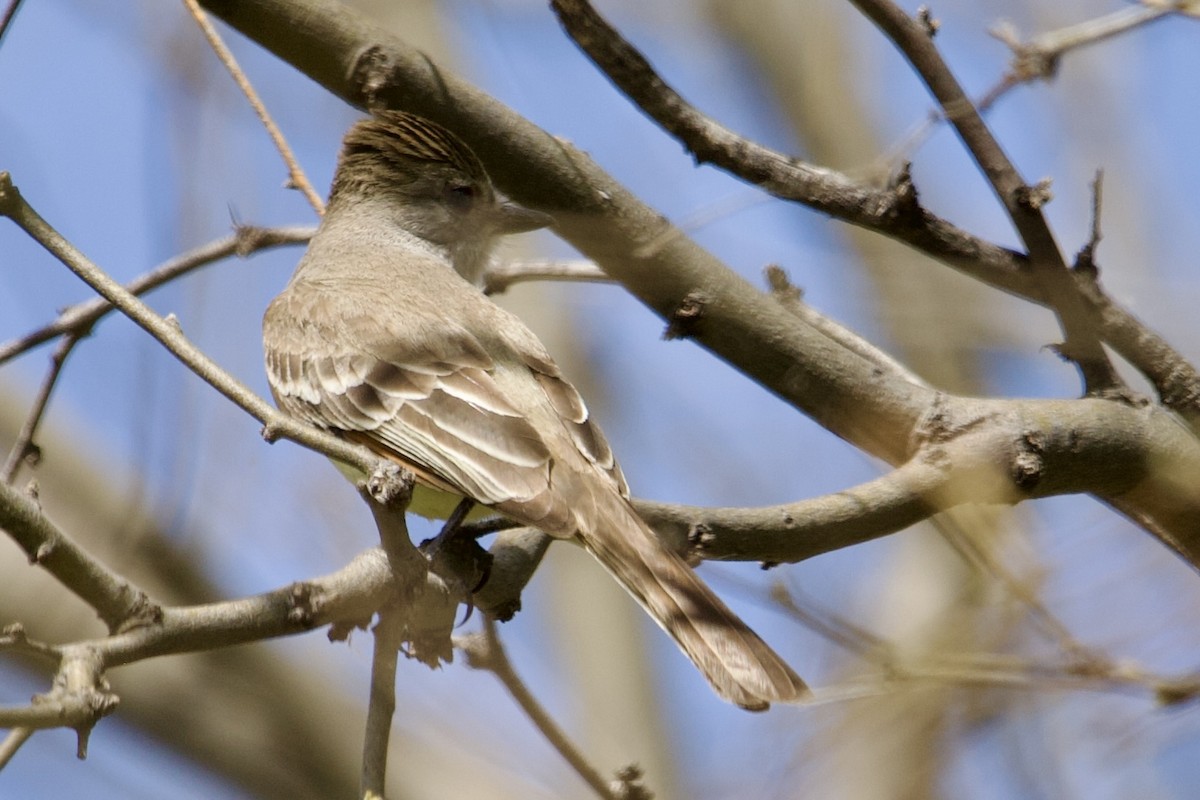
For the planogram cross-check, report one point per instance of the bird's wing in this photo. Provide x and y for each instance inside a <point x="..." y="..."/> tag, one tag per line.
<point x="428" y="399"/>
<point x="587" y="437"/>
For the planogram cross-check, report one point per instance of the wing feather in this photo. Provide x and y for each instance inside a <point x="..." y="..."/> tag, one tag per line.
<point x="437" y="409"/>
<point x="585" y="434"/>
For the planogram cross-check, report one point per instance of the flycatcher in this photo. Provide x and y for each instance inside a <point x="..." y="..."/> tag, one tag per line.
<point x="383" y="337"/>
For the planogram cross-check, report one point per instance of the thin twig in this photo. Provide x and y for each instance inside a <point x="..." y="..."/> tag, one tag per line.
<point x="975" y="555"/>
<point x="12" y="743"/>
<point x="1040" y="57"/>
<point x="296" y="177"/>
<point x="22" y="449"/>
<point x="1022" y="201"/>
<point x="1037" y="59"/>
<point x="792" y="299"/>
<point x="1081" y="669"/>
<point x="779" y="174"/>
<point x="79" y="319"/>
<point x="10" y="14"/>
<point x="116" y="600"/>
<point x="14" y="639"/>
<point x="793" y="532"/>
<point x="1080" y="660"/>
<point x="382" y="705"/>
<point x="275" y="424"/>
<point x="499" y="277"/>
<point x="487" y="652"/>
<point x="984" y="670"/>
<point x="1085" y="259"/>
<point x="834" y="627"/>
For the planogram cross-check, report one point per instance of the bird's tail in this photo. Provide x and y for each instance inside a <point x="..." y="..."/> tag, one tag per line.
<point x="739" y="665"/>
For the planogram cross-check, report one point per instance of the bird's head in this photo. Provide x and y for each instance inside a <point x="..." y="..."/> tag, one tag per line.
<point x="431" y="184"/>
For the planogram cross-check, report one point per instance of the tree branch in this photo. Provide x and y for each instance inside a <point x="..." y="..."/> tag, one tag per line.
<point x="486" y="652"/>
<point x="80" y="318"/>
<point x="893" y="211"/>
<point x="1039" y="57"/>
<point x="1022" y="201"/>
<point x="382" y="704"/>
<point x="23" y="448"/>
<point x="275" y="424"/>
<point x="117" y="601"/>
<point x="974" y="451"/>
<point x="296" y="177"/>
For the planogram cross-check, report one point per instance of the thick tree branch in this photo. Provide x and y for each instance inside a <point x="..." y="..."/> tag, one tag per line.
<point x="117" y="601"/>
<point x="352" y="593"/>
<point x="974" y="451"/>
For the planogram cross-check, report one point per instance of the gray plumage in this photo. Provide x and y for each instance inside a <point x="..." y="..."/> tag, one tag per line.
<point x="382" y="336"/>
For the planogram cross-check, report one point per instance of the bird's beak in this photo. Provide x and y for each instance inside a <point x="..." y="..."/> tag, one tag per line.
<point x="512" y="218"/>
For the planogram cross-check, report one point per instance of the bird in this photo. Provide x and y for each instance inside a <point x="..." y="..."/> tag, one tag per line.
<point x="384" y="337"/>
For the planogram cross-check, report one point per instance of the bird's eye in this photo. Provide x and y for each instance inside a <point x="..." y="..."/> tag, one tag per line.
<point x="461" y="195"/>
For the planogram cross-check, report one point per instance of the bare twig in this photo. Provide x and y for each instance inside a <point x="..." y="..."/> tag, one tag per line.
<point x="485" y="651"/>
<point x="791" y="298"/>
<point x="14" y="639"/>
<point x="296" y="177"/>
<point x="10" y="14"/>
<point x="1085" y="259"/>
<point x="973" y="554"/>
<point x="893" y="211"/>
<point x="12" y="743"/>
<point x="500" y="276"/>
<point x="1013" y="673"/>
<point x="117" y="601"/>
<point x="791" y="179"/>
<point x="793" y="532"/>
<point x="879" y="650"/>
<point x="24" y="448"/>
<point x="352" y="593"/>
<point x="777" y="173"/>
<point x="1039" y="57"/>
<point x="834" y="627"/>
<point x="1022" y="201"/>
<point x="382" y="705"/>
<point x="973" y="451"/>
<point x="275" y="424"/>
<point x="79" y="319"/>
<point x="1082" y="668"/>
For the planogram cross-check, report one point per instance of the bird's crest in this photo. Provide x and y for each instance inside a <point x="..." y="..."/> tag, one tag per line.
<point x="396" y="138"/>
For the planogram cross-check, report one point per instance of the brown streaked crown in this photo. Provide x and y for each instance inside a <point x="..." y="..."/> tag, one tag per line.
<point x="397" y="145"/>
